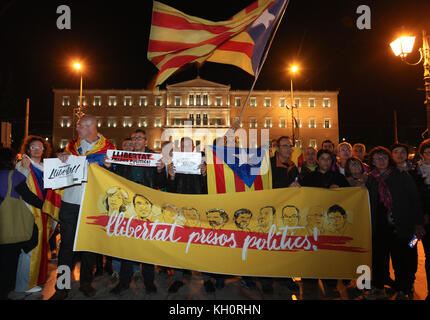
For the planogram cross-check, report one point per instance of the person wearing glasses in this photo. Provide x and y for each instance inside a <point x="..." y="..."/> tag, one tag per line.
<point x="33" y="266"/>
<point x="397" y="215"/>
<point x="284" y="172"/>
<point x="152" y="177"/>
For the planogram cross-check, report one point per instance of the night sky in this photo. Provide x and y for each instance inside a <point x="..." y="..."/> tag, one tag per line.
<point x="321" y="36"/>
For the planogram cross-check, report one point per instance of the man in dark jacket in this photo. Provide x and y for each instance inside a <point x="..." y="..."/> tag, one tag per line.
<point x="284" y="172"/>
<point x="152" y="177"/>
<point x="187" y="184"/>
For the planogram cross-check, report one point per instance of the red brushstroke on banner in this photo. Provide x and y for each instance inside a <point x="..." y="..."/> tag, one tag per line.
<point x="224" y="238"/>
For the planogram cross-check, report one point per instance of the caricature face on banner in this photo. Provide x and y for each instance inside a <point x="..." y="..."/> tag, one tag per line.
<point x="301" y="232"/>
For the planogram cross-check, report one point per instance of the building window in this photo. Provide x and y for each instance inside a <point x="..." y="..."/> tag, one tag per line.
<point x="157" y="123"/>
<point x="205" y="100"/>
<point x="205" y="119"/>
<point x="127" y="102"/>
<point x="218" y="101"/>
<point x="282" y="123"/>
<point x="267" y="102"/>
<point x="198" y="100"/>
<point x="326" y="102"/>
<point x="157" y="144"/>
<point x="297" y="102"/>
<point x="66" y="101"/>
<point x="268" y="123"/>
<point x="218" y="121"/>
<point x="282" y="102"/>
<point x="298" y="122"/>
<point x="311" y="102"/>
<point x="253" y="102"/>
<point x="191" y="100"/>
<point x="127" y="123"/>
<point x="327" y="123"/>
<point x="99" y="122"/>
<point x="158" y="101"/>
<point x="312" y="123"/>
<point x="84" y="102"/>
<point x="178" y="101"/>
<point x="63" y="143"/>
<point x="198" y="120"/>
<point x="97" y="101"/>
<point x="253" y="123"/>
<point x="237" y="102"/>
<point x="191" y="119"/>
<point x="143" y="101"/>
<point x="313" y="143"/>
<point x="111" y="123"/>
<point x="142" y="122"/>
<point x="112" y="101"/>
<point x="65" y="122"/>
<point x="298" y="143"/>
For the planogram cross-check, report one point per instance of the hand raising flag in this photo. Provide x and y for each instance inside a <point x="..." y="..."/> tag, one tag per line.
<point x="177" y="39"/>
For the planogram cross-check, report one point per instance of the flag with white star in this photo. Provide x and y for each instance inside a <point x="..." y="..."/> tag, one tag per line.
<point x="177" y="39"/>
<point x="234" y="169"/>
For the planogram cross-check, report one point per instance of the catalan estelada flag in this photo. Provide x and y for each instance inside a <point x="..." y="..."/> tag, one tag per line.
<point x="297" y="156"/>
<point x="96" y="154"/>
<point x="177" y="39"/>
<point x="232" y="170"/>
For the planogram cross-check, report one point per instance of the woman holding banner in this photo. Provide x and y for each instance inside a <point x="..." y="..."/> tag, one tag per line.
<point x="33" y="266"/>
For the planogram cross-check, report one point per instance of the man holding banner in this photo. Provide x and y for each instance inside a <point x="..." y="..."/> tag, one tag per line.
<point x="149" y="176"/>
<point x="92" y="145"/>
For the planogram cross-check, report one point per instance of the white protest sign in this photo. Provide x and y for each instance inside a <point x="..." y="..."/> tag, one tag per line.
<point x="132" y="158"/>
<point x="58" y="174"/>
<point x="187" y="162"/>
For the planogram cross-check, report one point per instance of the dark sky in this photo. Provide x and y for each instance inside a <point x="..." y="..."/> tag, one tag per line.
<point x="111" y="38"/>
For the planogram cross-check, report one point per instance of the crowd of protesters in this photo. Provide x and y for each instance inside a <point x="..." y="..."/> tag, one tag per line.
<point x="399" y="193"/>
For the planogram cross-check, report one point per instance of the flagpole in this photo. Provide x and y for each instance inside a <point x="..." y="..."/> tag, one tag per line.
<point x="266" y="52"/>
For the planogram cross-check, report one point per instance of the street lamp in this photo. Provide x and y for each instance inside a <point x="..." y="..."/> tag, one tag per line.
<point x="402" y="47"/>
<point x="293" y="70"/>
<point x="78" y="111"/>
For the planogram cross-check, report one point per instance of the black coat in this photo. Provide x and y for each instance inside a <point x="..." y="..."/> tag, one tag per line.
<point x="188" y="184"/>
<point x="324" y="180"/>
<point x="282" y="177"/>
<point x="406" y="207"/>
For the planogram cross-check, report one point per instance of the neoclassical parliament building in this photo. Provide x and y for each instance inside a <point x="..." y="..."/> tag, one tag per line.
<point x="207" y="109"/>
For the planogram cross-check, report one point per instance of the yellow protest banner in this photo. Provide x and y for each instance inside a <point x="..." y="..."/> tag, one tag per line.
<point x="291" y="232"/>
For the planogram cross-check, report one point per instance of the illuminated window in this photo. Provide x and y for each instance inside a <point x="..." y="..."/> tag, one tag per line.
<point x="253" y="102"/>
<point x="282" y="123"/>
<point x="157" y="122"/>
<point x="253" y="123"/>
<point x="178" y="101"/>
<point x="111" y="123"/>
<point x="311" y="102"/>
<point x="127" y="122"/>
<point x="66" y="101"/>
<point x="142" y="122"/>
<point x="297" y="102"/>
<point x="312" y="123"/>
<point x="205" y="100"/>
<point x="127" y="102"/>
<point x="84" y="103"/>
<point x="218" y="101"/>
<point x="313" y="143"/>
<point x="327" y="123"/>
<point x="326" y="102"/>
<point x="268" y="123"/>
<point x="158" y="101"/>
<point x="282" y="102"/>
<point x="97" y="101"/>
<point x="267" y="102"/>
<point x="237" y="102"/>
<point x="112" y="101"/>
<point x="191" y="100"/>
<point x="143" y="101"/>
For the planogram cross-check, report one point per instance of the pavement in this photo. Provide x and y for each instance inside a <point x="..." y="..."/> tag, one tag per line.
<point x="194" y="290"/>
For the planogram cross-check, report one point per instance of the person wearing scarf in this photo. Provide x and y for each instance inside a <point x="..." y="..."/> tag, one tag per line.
<point x="396" y="213"/>
<point x="92" y="145"/>
<point x="33" y="266"/>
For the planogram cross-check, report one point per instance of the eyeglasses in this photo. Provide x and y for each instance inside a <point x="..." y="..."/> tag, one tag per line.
<point x="286" y="145"/>
<point x="36" y="148"/>
<point x="138" y="138"/>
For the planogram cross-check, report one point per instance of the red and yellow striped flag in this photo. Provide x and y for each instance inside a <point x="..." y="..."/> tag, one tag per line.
<point x="177" y="39"/>
<point x="223" y="177"/>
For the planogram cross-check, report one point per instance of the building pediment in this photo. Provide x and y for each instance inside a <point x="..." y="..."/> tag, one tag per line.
<point x="198" y="83"/>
